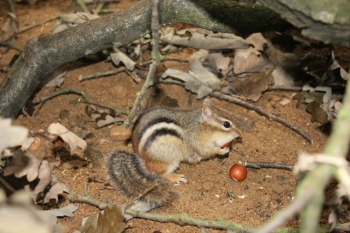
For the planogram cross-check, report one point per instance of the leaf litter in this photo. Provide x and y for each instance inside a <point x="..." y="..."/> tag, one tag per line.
<point x="256" y="64"/>
<point x="39" y="184"/>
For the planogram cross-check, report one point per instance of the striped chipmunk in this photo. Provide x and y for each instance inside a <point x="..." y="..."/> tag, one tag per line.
<point x="162" y="137"/>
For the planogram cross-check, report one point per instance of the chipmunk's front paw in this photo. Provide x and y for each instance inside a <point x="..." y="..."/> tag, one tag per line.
<point x="176" y="178"/>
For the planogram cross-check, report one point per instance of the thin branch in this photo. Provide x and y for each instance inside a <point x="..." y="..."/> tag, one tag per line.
<point x="10" y="45"/>
<point x="99" y="8"/>
<point x="7" y="185"/>
<point x="153" y="67"/>
<point x="337" y="146"/>
<point x="285" y="214"/>
<point x="261" y="112"/>
<point x="242" y="103"/>
<point x="165" y="58"/>
<point x="181" y="219"/>
<point x="310" y="191"/>
<point x="259" y="165"/>
<point x="36" y="25"/>
<point x="74" y="197"/>
<point x="101" y="74"/>
<point x="85" y="99"/>
<point x="12" y="9"/>
<point x="82" y="6"/>
<point x="176" y="218"/>
<point x="141" y="195"/>
<point x="284" y="88"/>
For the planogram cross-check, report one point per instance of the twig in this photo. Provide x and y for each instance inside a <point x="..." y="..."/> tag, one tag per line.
<point x="141" y="195"/>
<point x="85" y="99"/>
<point x="242" y="103"/>
<point x="74" y="197"/>
<point x="153" y="67"/>
<point x="36" y="25"/>
<point x="176" y="218"/>
<point x="146" y="63"/>
<point x="101" y="74"/>
<point x="261" y="112"/>
<point x="343" y="227"/>
<point x="12" y="9"/>
<point x="284" y="88"/>
<point x="10" y="45"/>
<point x="180" y="219"/>
<point x="185" y="219"/>
<point x="259" y="165"/>
<point x="99" y="8"/>
<point x="107" y="11"/>
<point x="7" y="185"/>
<point x="310" y="191"/>
<point x="82" y="6"/>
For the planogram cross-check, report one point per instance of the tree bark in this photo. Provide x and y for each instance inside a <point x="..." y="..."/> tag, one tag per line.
<point x="326" y="20"/>
<point x="42" y="55"/>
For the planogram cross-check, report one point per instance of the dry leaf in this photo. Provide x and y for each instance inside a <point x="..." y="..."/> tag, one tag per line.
<point x="11" y="135"/>
<point x="17" y="164"/>
<point x="10" y="27"/>
<point x="27" y="143"/>
<point x="203" y="75"/>
<point x="111" y="220"/>
<point x="218" y="63"/>
<point x="202" y="39"/>
<point x="106" y="119"/>
<point x="191" y="83"/>
<point x="67" y="136"/>
<point x="103" y="117"/>
<point x="56" y="79"/>
<point x="288" y="64"/>
<point x="118" y="57"/>
<point x="201" y="54"/>
<point x="20" y="216"/>
<point x="252" y="60"/>
<point x="31" y="169"/>
<point x="66" y="211"/>
<point x="331" y="73"/>
<point x="253" y="86"/>
<point x="285" y="101"/>
<point x="57" y="188"/>
<point x="44" y="176"/>
<point x="282" y="78"/>
<point x="72" y="20"/>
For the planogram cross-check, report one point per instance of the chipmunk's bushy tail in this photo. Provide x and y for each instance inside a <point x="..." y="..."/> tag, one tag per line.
<point x="128" y="174"/>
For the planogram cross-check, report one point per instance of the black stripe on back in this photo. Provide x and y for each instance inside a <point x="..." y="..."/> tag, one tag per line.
<point x="154" y="122"/>
<point x="161" y="132"/>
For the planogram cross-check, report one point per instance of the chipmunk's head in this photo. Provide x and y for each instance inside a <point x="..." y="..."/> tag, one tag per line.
<point x="217" y="131"/>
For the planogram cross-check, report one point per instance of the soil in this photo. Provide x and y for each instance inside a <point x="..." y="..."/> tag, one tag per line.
<point x="206" y="194"/>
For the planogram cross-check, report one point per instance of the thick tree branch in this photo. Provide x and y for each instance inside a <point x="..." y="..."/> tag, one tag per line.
<point x="41" y="56"/>
<point x="326" y="20"/>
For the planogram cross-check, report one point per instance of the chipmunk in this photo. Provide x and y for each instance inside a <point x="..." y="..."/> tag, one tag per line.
<point x="163" y="137"/>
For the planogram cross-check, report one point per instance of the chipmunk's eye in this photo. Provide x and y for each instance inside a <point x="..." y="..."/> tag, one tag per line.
<point x="226" y="124"/>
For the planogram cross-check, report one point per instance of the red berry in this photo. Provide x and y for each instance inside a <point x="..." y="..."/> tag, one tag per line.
<point x="238" y="172"/>
<point x="228" y="144"/>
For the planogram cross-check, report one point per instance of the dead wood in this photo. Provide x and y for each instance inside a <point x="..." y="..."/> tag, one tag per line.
<point x="326" y="20"/>
<point x="42" y="55"/>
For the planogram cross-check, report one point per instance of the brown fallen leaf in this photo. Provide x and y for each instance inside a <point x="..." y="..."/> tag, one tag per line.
<point x="253" y="86"/>
<point x="11" y="135"/>
<point x="111" y="220"/>
<point x="69" y="137"/>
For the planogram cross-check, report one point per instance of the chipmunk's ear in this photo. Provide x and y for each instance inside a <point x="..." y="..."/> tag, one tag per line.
<point x="207" y="103"/>
<point x="207" y="111"/>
